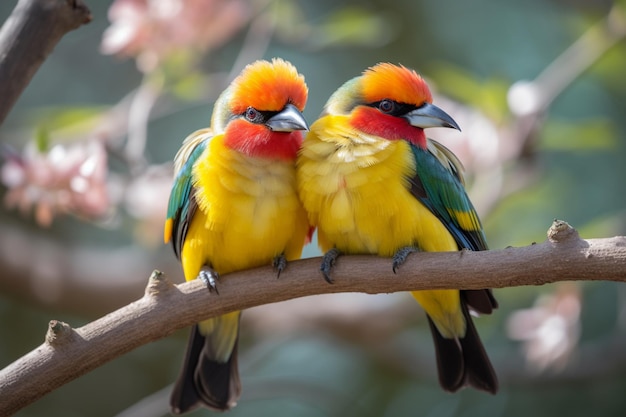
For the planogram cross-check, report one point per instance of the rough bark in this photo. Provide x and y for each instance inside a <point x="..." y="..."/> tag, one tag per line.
<point x="26" y="39"/>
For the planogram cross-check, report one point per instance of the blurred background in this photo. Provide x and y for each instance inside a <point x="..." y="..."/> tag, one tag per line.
<point x="538" y="88"/>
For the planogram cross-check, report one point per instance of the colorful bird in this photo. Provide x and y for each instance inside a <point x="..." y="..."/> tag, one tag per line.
<point x="372" y="183"/>
<point x="234" y="206"/>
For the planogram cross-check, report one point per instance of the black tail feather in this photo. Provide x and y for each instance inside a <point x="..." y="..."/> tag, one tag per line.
<point x="481" y="301"/>
<point x="479" y="372"/>
<point x="450" y="363"/>
<point x="184" y="397"/>
<point x="204" y="381"/>
<point x="463" y="362"/>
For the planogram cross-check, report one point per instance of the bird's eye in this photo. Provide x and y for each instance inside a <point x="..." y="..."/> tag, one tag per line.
<point x="386" y="106"/>
<point x="252" y="114"/>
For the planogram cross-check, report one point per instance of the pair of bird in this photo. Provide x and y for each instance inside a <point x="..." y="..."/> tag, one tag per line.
<point x="248" y="192"/>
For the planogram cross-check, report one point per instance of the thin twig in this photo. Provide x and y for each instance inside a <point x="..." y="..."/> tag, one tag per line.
<point x="537" y="96"/>
<point x="581" y="55"/>
<point x="141" y="106"/>
<point x="256" y="42"/>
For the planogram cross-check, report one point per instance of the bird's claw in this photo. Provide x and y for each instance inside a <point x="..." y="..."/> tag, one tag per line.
<point x="209" y="277"/>
<point x="401" y="255"/>
<point x="280" y="263"/>
<point x="328" y="261"/>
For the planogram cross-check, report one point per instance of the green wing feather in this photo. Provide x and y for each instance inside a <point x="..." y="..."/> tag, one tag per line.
<point x="182" y="203"/>
<point x="439" y="185"/>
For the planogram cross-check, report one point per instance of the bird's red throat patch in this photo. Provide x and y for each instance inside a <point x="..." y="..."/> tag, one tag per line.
<point x="371" y="121"/>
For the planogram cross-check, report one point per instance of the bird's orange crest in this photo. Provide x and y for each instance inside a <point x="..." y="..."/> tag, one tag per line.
<point x="268" y="86"/>
<point x="388" y="81"/>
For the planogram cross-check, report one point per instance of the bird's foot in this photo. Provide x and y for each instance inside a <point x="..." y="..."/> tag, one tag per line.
<point x="401" y="256"/>
<point x="210" y="278"/>
<point x="280" y="263"/>
<point x="328" y="261"/>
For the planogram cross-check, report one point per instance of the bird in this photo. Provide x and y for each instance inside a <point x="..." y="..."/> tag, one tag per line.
<point x="234" y="206"/>
<point x="373" y="183"/>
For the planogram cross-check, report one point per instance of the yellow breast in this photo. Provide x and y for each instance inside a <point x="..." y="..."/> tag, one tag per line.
<point x="355" y="188"/>
<point x="248" y="212"/>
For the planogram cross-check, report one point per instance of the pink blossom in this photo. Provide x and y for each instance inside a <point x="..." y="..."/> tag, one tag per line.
<point x="63" y="180"/>
<point x="551" y="329"/>
<point x="146" y="200"/>
<point x="151" y="30"/>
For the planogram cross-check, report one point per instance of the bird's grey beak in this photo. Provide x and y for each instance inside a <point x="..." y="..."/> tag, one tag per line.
<point x="429" y="115"/>
<point x="287" y="120"/>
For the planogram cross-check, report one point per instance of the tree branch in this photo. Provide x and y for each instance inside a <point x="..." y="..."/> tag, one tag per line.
<point x="69" y="353"/>
<point x="27" y="38"/>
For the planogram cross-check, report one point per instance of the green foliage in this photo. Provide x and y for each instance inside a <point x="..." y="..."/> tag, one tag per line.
<point x="488" y="95"/>
<point x="582" y="136"/>
<point x="291" y="22"/>
<point x="190" y="86"/>
<point x="610" y="69"/>
<point x="76" y="122"/>
<point x="609" y="224"/>
<point x="42" y="139"/>
<point x="353" y="26"/>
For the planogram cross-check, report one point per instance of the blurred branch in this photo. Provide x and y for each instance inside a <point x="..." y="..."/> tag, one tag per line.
<point x="581" y="55"/>
<point x="68" y="353"/>
<point x="27" y="38"/>
<point x="256" y="42"/>
<point x="530" y="101"/>
<point x="69" y="277"/>
<point x="141" y="106"/>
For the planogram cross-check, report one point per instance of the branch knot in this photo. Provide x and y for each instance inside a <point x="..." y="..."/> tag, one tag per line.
<point x="58" y="333"/>
<point x="158" y="284"/>
<point x="561" y="231"/>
